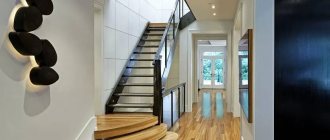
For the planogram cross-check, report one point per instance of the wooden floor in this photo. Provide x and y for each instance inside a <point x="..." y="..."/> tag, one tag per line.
<point x="209" y="119"/>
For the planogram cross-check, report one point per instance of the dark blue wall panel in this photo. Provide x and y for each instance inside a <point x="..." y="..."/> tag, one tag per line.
<point x="302" y="69"/>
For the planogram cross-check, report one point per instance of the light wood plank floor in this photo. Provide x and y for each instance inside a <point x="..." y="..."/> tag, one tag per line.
<point x="209" y="119"/>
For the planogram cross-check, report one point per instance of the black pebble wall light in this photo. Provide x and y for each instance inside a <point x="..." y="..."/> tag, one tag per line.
<point x="28" y="19"/>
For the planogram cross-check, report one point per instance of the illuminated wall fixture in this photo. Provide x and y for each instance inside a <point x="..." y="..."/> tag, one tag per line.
<point x="28" y="19"/>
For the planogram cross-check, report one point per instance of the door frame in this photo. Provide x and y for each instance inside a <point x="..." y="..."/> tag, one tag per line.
<point x="98" y="56"/>
<point x="201" y="50"/>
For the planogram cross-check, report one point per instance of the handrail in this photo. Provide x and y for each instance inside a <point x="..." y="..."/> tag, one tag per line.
<point x="167" y="91"/>
<point x="161" y="44"/>
<point x="170" y="92"/>
<point x="162" y="65"/>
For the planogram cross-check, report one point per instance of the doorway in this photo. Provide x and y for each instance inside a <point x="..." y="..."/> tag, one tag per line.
<point x="212" y="70"/>
<point x="212" y="64"/>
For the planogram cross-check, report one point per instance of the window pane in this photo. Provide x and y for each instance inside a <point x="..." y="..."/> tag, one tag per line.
<point x="244" y="71"/>
<point x="207" y="73"/>
<point x="219" y="75"/>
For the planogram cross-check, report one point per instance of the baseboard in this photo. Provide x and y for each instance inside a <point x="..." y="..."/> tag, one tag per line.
<point x="87" y="132"/>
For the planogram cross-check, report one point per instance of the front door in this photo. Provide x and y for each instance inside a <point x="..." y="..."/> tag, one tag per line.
<point x="212" y="70"/>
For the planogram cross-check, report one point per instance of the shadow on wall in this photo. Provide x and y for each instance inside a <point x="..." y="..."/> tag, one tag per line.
<point x="17" y="68"/>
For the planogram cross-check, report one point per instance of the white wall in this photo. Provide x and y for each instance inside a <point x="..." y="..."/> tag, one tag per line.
<point x="264" y="69"/>
<point x="187" y="72"/>
<point x="124" y="22"/>
<point x="259" y="16"/>
<point x="62" y="110"/>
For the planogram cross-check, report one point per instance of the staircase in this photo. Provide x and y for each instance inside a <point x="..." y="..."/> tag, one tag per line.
<point x="130" y="109"/>
<point x="135" y="107"/>
<point x="135" y="89"/>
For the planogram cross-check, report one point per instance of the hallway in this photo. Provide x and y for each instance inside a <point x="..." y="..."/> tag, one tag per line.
<point x="209" y="119"/>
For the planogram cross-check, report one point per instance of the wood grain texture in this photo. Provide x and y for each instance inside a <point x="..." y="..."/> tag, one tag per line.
<point x="170" y="136"/>
<point x="113" y="125"/>
<point x="154" y="133"/>
<point x="194" y="126"/>
<point x="157" y="25"/>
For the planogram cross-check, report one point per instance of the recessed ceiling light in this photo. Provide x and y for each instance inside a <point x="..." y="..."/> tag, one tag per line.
<point x="214" y="14"/>
<point x="213" y="6"/>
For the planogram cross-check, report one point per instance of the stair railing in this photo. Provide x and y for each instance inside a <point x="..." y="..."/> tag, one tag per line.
<point x="175" y="100"/>
<point x="163" y="58"/>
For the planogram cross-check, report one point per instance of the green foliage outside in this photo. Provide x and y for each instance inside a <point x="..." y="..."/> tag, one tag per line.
<point x="245" y="68"/>
<point x="218" y="70"/>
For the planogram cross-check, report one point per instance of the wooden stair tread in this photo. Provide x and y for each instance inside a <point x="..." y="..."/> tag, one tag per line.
<point x="150" y="46"/>
<point x="157" y="24"/>
<point x="140" y="67"/>
<point x="171" y="136"/>
<point x="154" y="40"/>
<point x="145" y="52"/>
<point x="132" y="105"/>
<point x="154" y="133"/>
<point x="113" y="125"/>
<point x="139" y="75"/>
<point x="156" y="29"/>
<point x="142" y="59"/>
<point x="137" y="84"/>
<point x="153" y="34"/>
<point x="135" y="94"/>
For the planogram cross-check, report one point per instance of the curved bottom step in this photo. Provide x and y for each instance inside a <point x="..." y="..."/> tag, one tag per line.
<point x="154" y="133"/>
<point x="171" y="136"/>
<point x="114" y="125"/>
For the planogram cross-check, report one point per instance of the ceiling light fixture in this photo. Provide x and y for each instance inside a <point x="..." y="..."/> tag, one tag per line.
<point x="214" y="14"/>
<point x="213" y="6"/>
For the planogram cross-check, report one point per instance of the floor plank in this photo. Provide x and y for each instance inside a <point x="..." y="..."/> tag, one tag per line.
<point x="209" y="119"/>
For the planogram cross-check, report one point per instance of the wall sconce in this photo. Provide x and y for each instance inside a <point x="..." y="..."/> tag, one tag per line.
<point x="48" y="56"/>
<point x="26" y="43"/>
<point x="43" y="76"/>
<point x="45" y="6"/>
<point x="27" y="19"/>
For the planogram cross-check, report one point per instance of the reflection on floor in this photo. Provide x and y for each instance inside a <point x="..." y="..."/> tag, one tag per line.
<point x="209" y="119"/>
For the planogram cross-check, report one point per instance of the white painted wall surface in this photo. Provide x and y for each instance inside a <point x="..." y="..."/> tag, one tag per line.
<point x="264" y="69"/>
<point x="186" y="54"/>
<point x="59" y="111"/>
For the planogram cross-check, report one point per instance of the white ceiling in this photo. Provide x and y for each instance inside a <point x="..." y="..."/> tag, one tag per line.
<point x="224" y="9"/>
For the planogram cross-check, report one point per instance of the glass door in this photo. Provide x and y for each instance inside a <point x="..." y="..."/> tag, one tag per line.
<point x="219" y="73"/>
<point x="207" y="72"/>
<point x="213" y="70"/>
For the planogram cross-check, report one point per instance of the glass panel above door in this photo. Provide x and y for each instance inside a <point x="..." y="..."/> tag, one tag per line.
<point x="213" y="54"/>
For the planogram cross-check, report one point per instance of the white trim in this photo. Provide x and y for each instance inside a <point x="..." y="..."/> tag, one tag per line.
<point x="200" y="50"/>
<point x="90" y="125"/>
